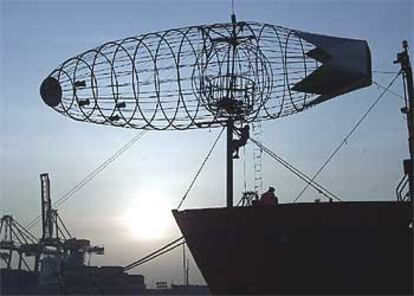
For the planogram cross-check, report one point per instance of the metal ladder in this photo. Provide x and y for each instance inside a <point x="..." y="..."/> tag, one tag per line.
<point x="257" y="157"/>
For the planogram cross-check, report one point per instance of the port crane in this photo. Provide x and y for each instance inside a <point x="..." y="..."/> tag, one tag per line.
<point x="15" y="238"/>
<point x="55" y="242"/>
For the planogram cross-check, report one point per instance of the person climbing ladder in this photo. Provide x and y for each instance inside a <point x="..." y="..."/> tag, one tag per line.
<point x="244" y="134"/>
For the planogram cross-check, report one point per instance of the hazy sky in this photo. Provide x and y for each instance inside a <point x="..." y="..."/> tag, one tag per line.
<point x="134" y="195"/>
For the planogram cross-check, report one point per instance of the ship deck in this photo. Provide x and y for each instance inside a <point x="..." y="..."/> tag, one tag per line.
<point x="303" y="248"/>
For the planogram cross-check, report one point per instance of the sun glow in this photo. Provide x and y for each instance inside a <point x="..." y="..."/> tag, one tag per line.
<point x="149" y="217"/>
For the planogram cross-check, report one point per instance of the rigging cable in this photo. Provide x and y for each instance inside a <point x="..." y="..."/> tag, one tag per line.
<point x="344" y="141"/>
<point x="318" y="187"/>
<point x="388" y="90"/>
<point x="91" y="175"/>
<point x="385" y="72"/>
<point x="166" y="248"/>
<point x="200" y="169"/>
<point x="153" y="255"/>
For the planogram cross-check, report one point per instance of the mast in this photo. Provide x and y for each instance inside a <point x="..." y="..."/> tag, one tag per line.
<point x="229" y="163"/>
<point x="404" y="60"/>
<point x="230" y="122"/>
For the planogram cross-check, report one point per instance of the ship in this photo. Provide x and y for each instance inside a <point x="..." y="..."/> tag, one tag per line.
<point x="325" y="248"/>
<point x="303" y="248"/>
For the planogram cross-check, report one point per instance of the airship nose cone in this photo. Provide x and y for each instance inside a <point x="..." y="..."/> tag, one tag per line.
<point x="51" y="91"/>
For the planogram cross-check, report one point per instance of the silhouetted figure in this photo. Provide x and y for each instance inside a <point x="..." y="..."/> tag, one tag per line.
<point x="269" y="197"/>
<point x="244" y="134"/>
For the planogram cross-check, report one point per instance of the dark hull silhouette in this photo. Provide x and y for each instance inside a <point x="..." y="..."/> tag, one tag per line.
<point x="306" y="248"/>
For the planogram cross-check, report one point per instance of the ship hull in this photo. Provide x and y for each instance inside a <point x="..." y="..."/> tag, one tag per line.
<point x="307" y="248"/>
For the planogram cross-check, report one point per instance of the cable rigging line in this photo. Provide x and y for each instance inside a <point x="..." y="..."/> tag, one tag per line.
<point x="200" y="169"/>
<point x="153" y="255"/>
<point x="388" y="90"/>
<point x="385" y="72"/>
<point x="166" y="248"/>
<point x="318" y="187"/>
<point x="350" y="133"/>
<point x="100" y="168"/>
<point x="91" y="175"/>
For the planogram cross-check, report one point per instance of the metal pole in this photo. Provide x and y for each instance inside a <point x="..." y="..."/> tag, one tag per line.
<point x="404" y="59"/>
<point x="233" y="45"/>
<point x="410" y="93"/>
<point x="230" y="163"/>
<point x="185" y="281"/>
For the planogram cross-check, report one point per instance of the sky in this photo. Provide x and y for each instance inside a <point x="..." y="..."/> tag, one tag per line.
<point x="127" y="206"/>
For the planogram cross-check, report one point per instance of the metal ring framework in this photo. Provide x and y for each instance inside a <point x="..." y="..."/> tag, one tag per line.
<point x="185" y="78"/>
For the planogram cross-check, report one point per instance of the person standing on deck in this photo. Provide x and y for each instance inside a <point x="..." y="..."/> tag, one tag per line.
<point x="269" y="197"/>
